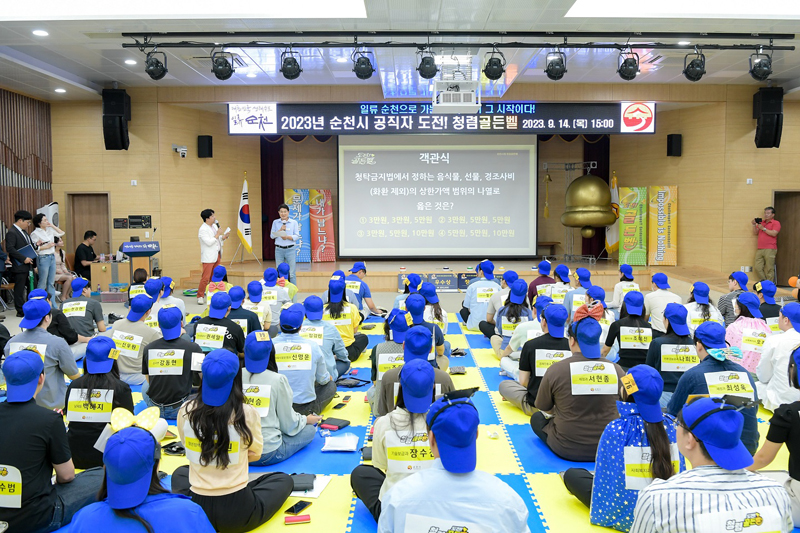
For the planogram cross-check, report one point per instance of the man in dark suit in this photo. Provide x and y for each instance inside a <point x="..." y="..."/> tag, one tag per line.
<point x="5" y="263"/>
<point x="16" y="239"/>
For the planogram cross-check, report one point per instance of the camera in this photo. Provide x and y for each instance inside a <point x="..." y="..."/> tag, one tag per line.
<point x="758" y="220"/>
<point x="181" y="150"/>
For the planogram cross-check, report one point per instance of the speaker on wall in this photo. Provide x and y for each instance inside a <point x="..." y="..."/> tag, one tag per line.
<point x="768" y="112"/>
<point x="674" y="144"/>
<point x="204" y="146"/>
<point x="116" y="114"/>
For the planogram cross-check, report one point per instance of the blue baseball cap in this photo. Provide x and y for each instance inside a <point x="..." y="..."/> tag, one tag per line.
<point x="562" y="271"/>
<point x="792" y="312"/>
<point x="257" y="352"/>
<point x="720" y="431"/>
<point x="540" y="304"/>
<point x="237" y="296"/>
<point x="168" y="285"/>
<point x="129" y="457"/>
<point x="336" y="290"/>
<point x="417" y="343"/>
<point x="767" y="290"/>
<point x="796" y="356"/>
<point x="428" y="291"/>
<point x="37" y="294"/>
<point x="519" y="290"/>
<point x="358" y="266"/>
<point x="588" y="331"/>
<point x="416" y="379"/>
<point x="254" y="291"/>
<point x="34" y="311"/>
<point x="650" y="385"/>
<point x="97" y="350"/>
<point x="556" y="316"/>
<point x="22" y="370"/>
<point x="676" y="314"/>
<point x="700" y="291"/>
<point x="398" y="325"/>
<point x="219" y="273"/>
<point x="219" y="369"/>
<point x="284" y="269"/>
<point x="741" y="278"/>
<point x="509" y="276"/>
<point x="634" y="302"/>
<point x="711" y="334"/>
<point x="750" y="300"/>
<point x="337" y="274"/>
<point x="584" y="277"/>
<point x="78" y="284"/>
<point x="220" y="302"/>
<point x="487" y="267"/>
<point x="596" y="292"/>
<point x="660" y="280"/>
<point x="292" y="317"/>
<point x="544" y="268"/>
<point x="414" y="281"/>
<point x="626" y="270"/>
<point x="140" y="305"/>
<point x="454" y="424"/>
<point x="153" y="287"/>
<point x="313" y="307"/>
<point x="270" y="277"/>
<point x="169" y="320"/>
<point x="415" y="304"/>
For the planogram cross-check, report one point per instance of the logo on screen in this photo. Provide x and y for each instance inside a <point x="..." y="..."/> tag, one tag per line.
<point x="363" y="158"/>
<point x="637" y="117"/>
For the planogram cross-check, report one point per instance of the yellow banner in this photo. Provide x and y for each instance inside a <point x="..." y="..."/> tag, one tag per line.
<point x="663" y="225"/>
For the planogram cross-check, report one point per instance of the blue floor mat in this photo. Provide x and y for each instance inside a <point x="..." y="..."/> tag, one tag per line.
<point x="374" y="340"/>
<point x="535" y="456"/>
<point x="310" y="460"/>
<point x="372" y="319"/>
<point x="491" y="375"/>
<point x="478" y="341"/>
<point x="453" y="329"/>
<point x="517" y="482"/>
<point x="362" y="519"/>
<point x="466" y="360"/>
<point x="486" y="410"/>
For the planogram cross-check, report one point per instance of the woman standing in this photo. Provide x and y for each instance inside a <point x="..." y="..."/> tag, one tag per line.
<point x="749" y="331"/>
<point x="44" y="236"/>
<point x="222" y="434"/>
<point x="63" y="275"/>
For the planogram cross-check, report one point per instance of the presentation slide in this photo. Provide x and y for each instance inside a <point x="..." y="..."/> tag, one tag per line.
<point x="418" y="196"/>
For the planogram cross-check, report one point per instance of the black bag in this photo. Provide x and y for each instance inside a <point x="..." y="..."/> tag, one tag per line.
<point x="351" y="383"/>
<point x="304" y="481"/>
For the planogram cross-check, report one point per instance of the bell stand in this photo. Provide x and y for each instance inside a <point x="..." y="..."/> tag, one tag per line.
<point x="570" y="170"/>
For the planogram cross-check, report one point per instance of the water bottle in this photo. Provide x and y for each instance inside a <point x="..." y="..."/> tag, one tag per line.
<point x="98" y="288"/>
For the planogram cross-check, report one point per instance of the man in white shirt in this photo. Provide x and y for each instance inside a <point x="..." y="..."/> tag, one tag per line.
<point x="655" y="302"/>
<point x="625" y="285"/>
<point x="717" y="494"/>
<point x="211" y="238"/>
<point x="285" y="231"/>
<point x="773" y="385"/>
<point x="451" y="495"/>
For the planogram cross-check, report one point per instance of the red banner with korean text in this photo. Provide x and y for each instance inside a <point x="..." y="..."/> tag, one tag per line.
<point x="323" y="245"/>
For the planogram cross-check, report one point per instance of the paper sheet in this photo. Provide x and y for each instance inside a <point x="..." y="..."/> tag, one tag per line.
<point x="341" y="443"/>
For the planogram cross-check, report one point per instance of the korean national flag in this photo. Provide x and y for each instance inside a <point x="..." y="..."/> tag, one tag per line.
<point x="243" y="228"/>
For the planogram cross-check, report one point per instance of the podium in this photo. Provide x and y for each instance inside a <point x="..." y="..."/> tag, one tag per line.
<point x="140" y="249"/>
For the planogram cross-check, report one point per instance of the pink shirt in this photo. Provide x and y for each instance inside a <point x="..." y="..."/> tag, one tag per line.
<point x="764" y="240"/>
<point x="735" y="333"/>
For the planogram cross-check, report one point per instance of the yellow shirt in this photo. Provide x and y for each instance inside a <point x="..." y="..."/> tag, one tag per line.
<point x="347" y="323"/>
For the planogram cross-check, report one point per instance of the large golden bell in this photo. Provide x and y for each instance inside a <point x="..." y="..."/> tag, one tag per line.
<point x="588" y="206"/>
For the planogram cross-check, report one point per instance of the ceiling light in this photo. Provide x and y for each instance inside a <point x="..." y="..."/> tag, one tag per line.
<point x="760" y="66"/>
<point x="40" y="33"/>
<point x="495" y="65"/>
<point x="556" y="65"/>
<point x="684" y="43"/>
<point x="628" y="67"/>
<point x="341" y="60"/>
<point x="290" y="66"/>
<point x="362" y="66"/>
<point x="154" y="67"/>
<point x="60" y="90"/>
<point x="221" y="66"/>
<point x="693" y="70"/>
<point x="427" y="63"/>
<point x="130" y="61"/>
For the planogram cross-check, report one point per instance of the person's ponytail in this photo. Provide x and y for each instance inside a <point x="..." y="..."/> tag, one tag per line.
<point x="660" y="453"/>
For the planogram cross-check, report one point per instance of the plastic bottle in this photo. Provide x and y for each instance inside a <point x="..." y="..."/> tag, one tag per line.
<point x="98" y="288"/>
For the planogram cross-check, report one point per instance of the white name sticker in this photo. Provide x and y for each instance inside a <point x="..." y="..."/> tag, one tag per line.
<point x="74" y="309"/>
<point x="638" y="474"/>
<point x="165" y="362"/>
<point x="10" y="487"/>
<point x="210" y="335"/>
<point x="773" y="324"/>
<point x="733" y="383"/>
<point x="197" y="361"/>
<point x="128" y="344"/>
<point x="757" y="520"/>
<point x="15" y="347"/>
<point x="753" y="340"/>
<point x="81" y="408"/>
<point x="546" y="358"/>
<point x="242" y="324"/>
<point x="635" y="338"/>
<point x="353" y="285"/>
<point x="509" y="327"/>
<point x="194" y="447"/>
<point x="427" y="524"/>
<point x="313" y="333"/>
<point x="408" y="453"/>
<point x="678" y="357"/>
<point x="293" y="356"/>
<point x="629" y="286"/>
<point x="557" y="293"/>
<point x="484" y="294"/>
<point x="388" y="361"/>
<point x="590" y="378"/>
<point x="257" y="395"/>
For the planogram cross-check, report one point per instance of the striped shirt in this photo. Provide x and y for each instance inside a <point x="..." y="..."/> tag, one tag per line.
<point x="710" y="499"/>
<point x="725" y="306"/>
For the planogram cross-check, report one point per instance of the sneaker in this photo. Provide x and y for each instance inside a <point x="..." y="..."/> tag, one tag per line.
<point x="201" y="301"/>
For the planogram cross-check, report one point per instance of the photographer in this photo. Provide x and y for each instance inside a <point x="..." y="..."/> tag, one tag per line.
<point x="767" y="230"/>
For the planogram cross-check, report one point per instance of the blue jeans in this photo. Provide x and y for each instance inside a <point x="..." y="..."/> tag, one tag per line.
<point x="665" y="398"/>
<point x="288" y="256"/>
<point x="169" y="412"/>
<point x="342" y="367"/>
<point x="47" y="275"/>
<point x="74" y="496"/>
<point x="289" y="447"/>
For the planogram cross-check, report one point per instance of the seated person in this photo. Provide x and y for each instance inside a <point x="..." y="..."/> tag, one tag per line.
<point x="326" y="336"/>
<point x="452" y="491"/>
<point x="168" y="298"/>
<point x="749" y="331"/>
<point x="257" y="304"/>
<point x="216" y="331"/>
<point x="99" y="388"/>
<point x="439" y="357"/>
<point x="137" y="287"/>
<point x="247" y="320"/>
<point x="388" y="354"/>
<point x="218" y="283"/>
<point x="60" y="326"/>
<point x="132" y="337"/>
<point x="526" y="330"/>
<point x="642" y="436"/>
<point x="766" y="295"/>
<point x="573" y="406"/>
<point x="537" y="356"/>
<point x="656" y="301"/>
<point x="355" y="282"/>
<point x="83" y="312"/>
<point x="276" y="296"/>
<point x="404" y="433"/>
<point x="54" y="351"/>
<point x="63" y="274"/>
<point x="581" y="280"/>
<point x="479" y="291"/>
<point x="154" y="288"/>
<point x="412" y="284"/>
<point x="283" y="280"/>
<point x="303" y="364"/>
<point x="284" y="430"/>
<point x="713" y="375"/>
<point x="595" y="293"/>
<point x="632" y="332"/>
<point x="772" y="386"/>
<point x="85" y="256"/>
<point x="35" y="447"/>
<point x="221" y="434"/>
<point x="536" y="287"/>
<point x="558" y="290"/>
<point x="625" y="285"/>
<point x="700" y="309"/>
<point x="434" y="313"/>
<point x="515" y="311"/>
<point x="349" y="295"/>
<point x="417" y="344"/>
<point x="717" y="494"/>
<point x="132" y="497"/>
<point x="346" y="318"/>
<point x="167" y="365"/>
<point x="487" y="326"/>
<point x="674" y="353"/>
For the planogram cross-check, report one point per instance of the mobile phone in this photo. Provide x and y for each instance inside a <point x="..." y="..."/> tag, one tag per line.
<point x="298" y="508"/>
<point x="302" y="519"/>
<point x="339" y="405"/>
<point x="346" y="398"/>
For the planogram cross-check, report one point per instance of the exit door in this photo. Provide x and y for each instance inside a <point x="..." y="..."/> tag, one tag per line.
<point x="787" y="212"/>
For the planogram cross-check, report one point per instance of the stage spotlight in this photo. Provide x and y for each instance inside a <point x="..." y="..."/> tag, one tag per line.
<point x="556" y="65"/>
<point x="628" y="65"/>
<point x="760" y="66"/>
<point x="427" y="64"/>
<point x="362" y="66"/>
<point x="155" y="68"/>
<point x="693" y="70"/>
<point x="495" y="65"/>
<point x="290" y="66"/>
<point x="221" y="66"/>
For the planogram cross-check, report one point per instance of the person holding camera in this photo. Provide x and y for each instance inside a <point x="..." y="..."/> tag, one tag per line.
<point x="767" y="230"/>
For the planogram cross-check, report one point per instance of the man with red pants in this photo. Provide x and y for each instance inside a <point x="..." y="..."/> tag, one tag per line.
<point x="211" y="238"/>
